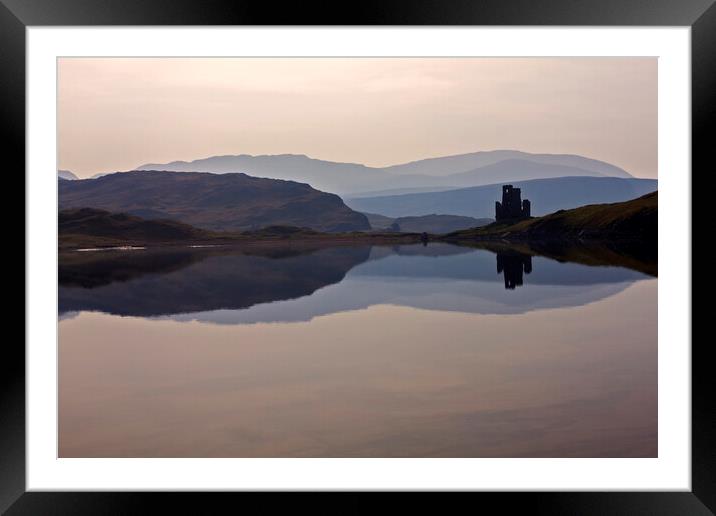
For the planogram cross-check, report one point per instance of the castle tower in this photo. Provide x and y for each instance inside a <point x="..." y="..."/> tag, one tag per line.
<point x="512" y="205"/>
<point x="526" y="208"/>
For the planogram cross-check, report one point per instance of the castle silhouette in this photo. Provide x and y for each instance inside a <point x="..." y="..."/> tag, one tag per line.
<point x="512" y="205"/>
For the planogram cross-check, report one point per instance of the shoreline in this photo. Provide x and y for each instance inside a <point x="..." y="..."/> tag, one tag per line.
<point x="89" y="244"/>
<point x="633" y="254"/>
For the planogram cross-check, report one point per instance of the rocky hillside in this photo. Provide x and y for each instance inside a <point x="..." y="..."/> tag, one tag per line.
<point x="90" y="227"/>
<point x="219" y="202"/>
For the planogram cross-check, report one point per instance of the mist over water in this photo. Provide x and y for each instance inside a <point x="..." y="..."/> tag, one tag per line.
<point x="354" y="351"/>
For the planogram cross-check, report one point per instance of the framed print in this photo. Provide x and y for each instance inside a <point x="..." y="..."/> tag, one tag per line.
<point x="409" y="248"/>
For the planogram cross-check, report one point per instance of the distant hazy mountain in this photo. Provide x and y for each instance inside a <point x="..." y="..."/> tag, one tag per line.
<point x="401" y="191"/>
<point x="66" y="174"/>
<point x="427" y="175"/>
<point x="464" y="162"/>
<point x="546" y="196"/>
<point x="514" y="170"/>
<point x="213" y="201"/>
<point x="435" y="224"/>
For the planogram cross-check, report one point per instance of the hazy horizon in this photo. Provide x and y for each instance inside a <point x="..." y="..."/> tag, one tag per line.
<point x="119" y="113"/>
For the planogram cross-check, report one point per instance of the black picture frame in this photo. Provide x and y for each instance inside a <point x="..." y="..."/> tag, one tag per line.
<point x="17" y="15"/>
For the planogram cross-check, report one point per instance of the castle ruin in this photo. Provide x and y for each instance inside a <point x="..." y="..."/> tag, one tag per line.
<point x="512" y="205"/>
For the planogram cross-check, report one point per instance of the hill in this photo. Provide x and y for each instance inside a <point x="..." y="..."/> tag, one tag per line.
<point x="378" y="221"/>
<point x="438" y="224"/>
<point x="217" y="202"/>
<point x="634" y="220"/>
<point x="77" y="226"/>
<point x="93" y="229"/>
<point x="546" y="196"/>
<point x="434" y="224"/>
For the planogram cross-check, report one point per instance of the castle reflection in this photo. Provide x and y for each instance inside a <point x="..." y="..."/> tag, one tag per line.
<point x="512" y="266"/>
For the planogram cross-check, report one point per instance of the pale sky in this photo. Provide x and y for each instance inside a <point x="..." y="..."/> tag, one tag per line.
<point x="118" y="113"/>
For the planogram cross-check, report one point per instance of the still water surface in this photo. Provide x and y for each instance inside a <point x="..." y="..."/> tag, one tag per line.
<point x="405" y="351"/>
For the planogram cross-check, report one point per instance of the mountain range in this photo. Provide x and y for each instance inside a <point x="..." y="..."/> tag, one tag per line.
<point x="546" y="196"/>
<point x="463" y="170"/>
<point x="226" y="202"/>
<point x="244" y="192"/>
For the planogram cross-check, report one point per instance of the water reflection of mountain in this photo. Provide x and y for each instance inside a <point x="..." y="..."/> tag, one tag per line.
<point x="297" y="285"/>
<point x="179" y="281"/>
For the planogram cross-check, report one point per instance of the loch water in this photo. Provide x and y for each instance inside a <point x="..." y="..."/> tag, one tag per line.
<point x="354" y="351"/>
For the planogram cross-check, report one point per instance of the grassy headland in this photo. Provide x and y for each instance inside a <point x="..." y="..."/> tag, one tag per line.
<point x="634" y="220"/>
